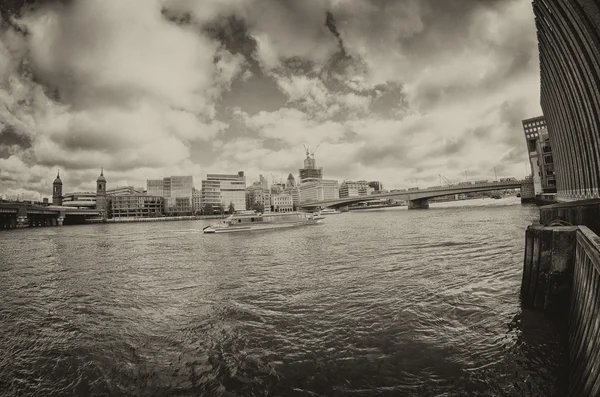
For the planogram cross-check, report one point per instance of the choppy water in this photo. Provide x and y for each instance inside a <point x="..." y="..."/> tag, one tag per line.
<point x="387" y="303"/>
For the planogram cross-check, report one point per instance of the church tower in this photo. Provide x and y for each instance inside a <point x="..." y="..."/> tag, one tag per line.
<point x="101" y="194"/>
<point x="57" y="190"/>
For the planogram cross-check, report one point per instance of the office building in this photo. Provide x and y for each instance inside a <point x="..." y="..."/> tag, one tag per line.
<point x="294" y="192"/>
<point x="196" y="201"/>
<point x="282" y="202"/>
<point x="312" y="186"/>
<point x="177" y="191"/>
<point x="290" y="182"/>
<point x="124" y="191"/>
<point x="310" y="172"/>
<point x="376" y="186"/>
<point x="531" y="128"/>
<point x="319" y="191"/>
<point x="136" y="206"/>
<point x="569" y="48"/>
<point x="258" y="194"/>
<point x="355" y="189"/>
<point x="79" y="200"/>
<point x="224" y="189"/>
<point x="154" y="187"/>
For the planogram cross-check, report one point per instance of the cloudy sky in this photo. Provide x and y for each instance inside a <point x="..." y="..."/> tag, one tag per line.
<point x="391" y="90"/>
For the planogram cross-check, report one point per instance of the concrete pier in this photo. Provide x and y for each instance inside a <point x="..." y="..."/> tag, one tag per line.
<point x="421" y="204"/>
<point x="561" y="275"/>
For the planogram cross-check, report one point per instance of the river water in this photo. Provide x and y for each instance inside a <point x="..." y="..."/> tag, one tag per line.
<point x="381" y="303"/>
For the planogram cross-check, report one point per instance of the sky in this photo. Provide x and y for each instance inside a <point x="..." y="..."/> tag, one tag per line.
<point x="395" y="91"/>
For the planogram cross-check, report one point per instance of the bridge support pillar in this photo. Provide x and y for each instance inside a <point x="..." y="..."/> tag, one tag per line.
<point x="22" y="221"/>
<point x="421" y="204"/>
<point x="60" y="220"/>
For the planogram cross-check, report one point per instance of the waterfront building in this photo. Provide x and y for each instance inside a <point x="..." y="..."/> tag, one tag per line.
<point x="547" y="171"/>
<point x="196" y="200"/>
<point x="124" y="191"/>
<point x="154" y="187"/>
<point x="133" y="206"/>
<point x="79" y="200"/>
<point x="177" y="191"/>
<point x="312" y="185"/>
<point x="257" y="193"/>
<point x="57" y="186"/>
<point x="569" y="48"/>
<point x="224" y="189"/>
<point x="355" y="189"/>
<point x="282" y="202"/>
<point x="531" y="128"/>
<point x="319" y="191"/>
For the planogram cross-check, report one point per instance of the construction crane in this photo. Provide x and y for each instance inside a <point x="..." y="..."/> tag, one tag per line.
<point x="445" y="180"/>
<point x="308" y="152"/>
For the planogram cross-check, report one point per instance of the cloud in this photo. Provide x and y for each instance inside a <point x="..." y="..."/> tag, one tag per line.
<point x="392" y="90"/>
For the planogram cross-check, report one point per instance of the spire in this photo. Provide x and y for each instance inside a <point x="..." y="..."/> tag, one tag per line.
<point x="58" y="174"/>
<point x="102" y="171"/>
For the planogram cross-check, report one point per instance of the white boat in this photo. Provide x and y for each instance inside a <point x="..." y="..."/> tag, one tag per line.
<point x="249" y="220"/>
<point x="329" y="211"/>
<point x="317" y="216"/>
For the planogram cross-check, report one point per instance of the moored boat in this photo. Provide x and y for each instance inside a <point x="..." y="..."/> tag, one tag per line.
<point x="329" y="211"/>
<point x="249" y="221"/>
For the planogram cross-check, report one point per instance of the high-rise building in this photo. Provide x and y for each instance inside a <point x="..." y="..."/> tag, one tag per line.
<point x="291" y="182"/>
<point x="312" y="185"/>
<point x="531" y="128"/>
<point x="547" y="171"/>
<point x="224" y="189"/>
<point x="569" y="46"/>
<point x="310" y="172"/>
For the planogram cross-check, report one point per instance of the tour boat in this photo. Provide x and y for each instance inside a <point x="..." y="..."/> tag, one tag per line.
<point x="329" y="211"/>
<point x="317" y="216"/>
<point x="249" y="220"/>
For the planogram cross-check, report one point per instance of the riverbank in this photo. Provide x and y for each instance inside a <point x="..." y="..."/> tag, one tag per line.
<point x="161" y="219"/>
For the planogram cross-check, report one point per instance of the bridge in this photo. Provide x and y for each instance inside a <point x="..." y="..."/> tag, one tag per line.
<point x="18" y="214"/>
<point x="418" y="198"/>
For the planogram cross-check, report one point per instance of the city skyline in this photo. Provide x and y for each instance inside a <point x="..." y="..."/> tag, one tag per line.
<point x="165" y="88"/>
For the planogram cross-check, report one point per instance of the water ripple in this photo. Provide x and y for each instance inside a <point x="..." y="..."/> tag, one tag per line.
<point x="388" y="303"/>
